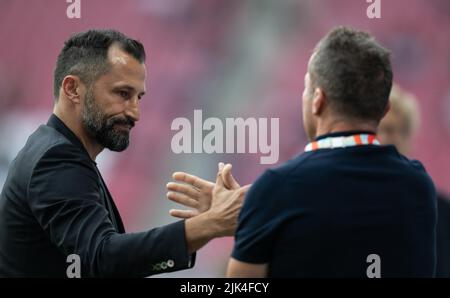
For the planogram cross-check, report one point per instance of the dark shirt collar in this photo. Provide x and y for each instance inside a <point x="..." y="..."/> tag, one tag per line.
<point x="57" y="124"/>
<point x="344" y="134"/>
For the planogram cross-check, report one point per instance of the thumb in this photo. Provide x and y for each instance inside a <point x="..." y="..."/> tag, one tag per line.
<point x="219" y="180"/>
<point x="228" y="179"/>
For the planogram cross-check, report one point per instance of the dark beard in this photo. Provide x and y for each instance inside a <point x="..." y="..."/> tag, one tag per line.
<point x="102" y="128"/>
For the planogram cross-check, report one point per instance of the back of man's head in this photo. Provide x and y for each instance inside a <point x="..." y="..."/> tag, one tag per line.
<point x="354" y="72"/>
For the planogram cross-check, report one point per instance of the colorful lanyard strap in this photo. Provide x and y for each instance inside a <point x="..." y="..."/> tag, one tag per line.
<point x="342" y="142"/>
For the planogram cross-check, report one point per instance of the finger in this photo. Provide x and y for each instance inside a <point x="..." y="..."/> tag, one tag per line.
<point x="228" y="179"/>
<point x="244" y="189"/>
<point x="221" y="165"/>
<point x="182" y="199"/>
<point x="188" y="190"/>
<point x="219" y="180"/>
<point x="192" y="180"/>
<point x="182" y="213"/>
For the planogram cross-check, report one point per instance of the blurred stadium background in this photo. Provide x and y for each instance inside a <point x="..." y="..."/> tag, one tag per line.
<point x="233" y="58"/>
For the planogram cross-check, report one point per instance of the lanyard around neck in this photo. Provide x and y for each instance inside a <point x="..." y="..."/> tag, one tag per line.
<point x="343" y="142"/>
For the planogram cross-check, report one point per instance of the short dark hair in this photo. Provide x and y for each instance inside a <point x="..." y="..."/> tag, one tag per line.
<point x="355" y="73"/>
<point x="85" y="55"/>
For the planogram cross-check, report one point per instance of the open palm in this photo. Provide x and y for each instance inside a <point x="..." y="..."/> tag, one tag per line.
<point x="194" y="192"/>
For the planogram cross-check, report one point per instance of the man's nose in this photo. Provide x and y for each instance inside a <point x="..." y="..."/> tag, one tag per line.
<point x="132" y="109"/>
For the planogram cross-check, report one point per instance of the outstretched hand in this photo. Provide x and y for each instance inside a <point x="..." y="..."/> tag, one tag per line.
<point x="196" y="193"/>
<point x="226" y="203"/>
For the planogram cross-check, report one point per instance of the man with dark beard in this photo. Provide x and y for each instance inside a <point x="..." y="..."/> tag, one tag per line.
<point x="55" y="208"/>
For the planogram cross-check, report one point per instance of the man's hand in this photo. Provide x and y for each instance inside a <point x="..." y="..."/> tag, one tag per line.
<point x="194" y="192"/>
<point x="220" y="218"/>
<point x="226" y="203"/>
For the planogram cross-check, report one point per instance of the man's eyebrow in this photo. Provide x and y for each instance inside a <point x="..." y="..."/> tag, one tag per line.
<point x="128" y="88"/>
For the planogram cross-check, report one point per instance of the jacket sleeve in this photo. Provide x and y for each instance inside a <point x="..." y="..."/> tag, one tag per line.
<point x="64" y="196"/>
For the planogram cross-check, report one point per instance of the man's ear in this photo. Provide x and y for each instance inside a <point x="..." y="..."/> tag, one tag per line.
<point x="72" y="88"/>
<point x="319" y="101"/>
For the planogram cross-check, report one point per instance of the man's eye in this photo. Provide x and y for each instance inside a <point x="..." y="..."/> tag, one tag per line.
<point x="124" y="94"/>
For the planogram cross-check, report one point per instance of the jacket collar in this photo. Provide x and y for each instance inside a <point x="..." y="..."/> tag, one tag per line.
<point x="344" y="134"/>
<point x="59" y="125"/>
